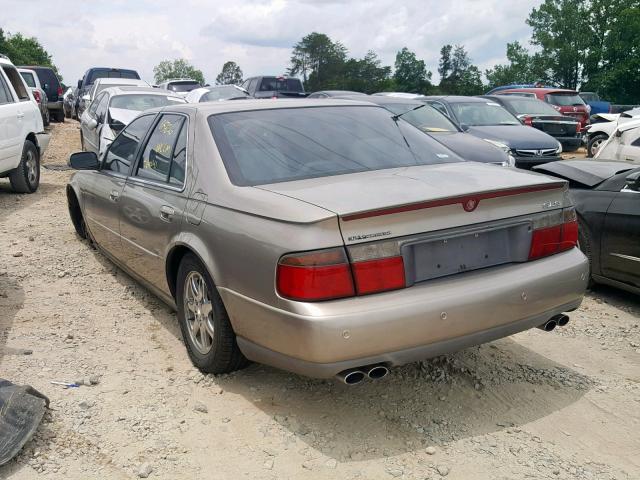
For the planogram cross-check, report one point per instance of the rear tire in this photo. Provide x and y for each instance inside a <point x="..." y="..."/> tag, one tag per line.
<point x="46" y="118"/>
<point x="204" y="322"/>
<point x="595" y="142"/>
<point x="585" y="244"/>
<point x="26" y="177"/>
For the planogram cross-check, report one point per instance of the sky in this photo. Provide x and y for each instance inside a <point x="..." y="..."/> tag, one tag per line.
<point x="259" y="34"/>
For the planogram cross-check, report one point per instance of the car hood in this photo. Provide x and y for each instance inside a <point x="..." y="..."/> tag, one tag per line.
<point x="471" y="148"/>
<point x="123" y="115"/>
<point x="515" y="136"/>
<point x="585" y="172"/>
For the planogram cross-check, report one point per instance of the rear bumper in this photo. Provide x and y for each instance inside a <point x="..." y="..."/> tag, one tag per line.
<point x="55" y="105"/>
<point x="570" y="141"/>
<point x="433" y="318"/>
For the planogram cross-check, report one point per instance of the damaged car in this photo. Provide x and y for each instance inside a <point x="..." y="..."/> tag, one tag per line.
<point x="325" y="238"/>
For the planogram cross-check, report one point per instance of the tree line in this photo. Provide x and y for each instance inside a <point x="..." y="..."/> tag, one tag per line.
<point x="591" y="45"/>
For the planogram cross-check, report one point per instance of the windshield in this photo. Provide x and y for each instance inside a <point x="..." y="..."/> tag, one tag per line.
<point x="93" y="76"/>
<point x="223" y="93"/>
<point x="141" y="102"/>
<point x="483" y="114"/>
<point x="423" y="116"/>
<point x="28" y="79"/>
<point x="531" y="107"/>
<point x="273" y="84"/>
<point x="565" y="99"/>
<point x="269" y="146"/>
<point x="183" y="86"/>
<point x="101" y="86"/>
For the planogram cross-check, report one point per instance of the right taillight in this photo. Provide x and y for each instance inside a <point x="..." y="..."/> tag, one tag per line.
<point x="553" y="233"/>
<point x="315" y="276"/>
<point x="36" y="95"/>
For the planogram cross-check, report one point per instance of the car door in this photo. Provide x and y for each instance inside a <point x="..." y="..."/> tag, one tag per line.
<point x="90" y="136"/>
<point x="629" y="148"/>
<point x="11" y="127"/>
<point x="152" y="203"/>
<point x="102" y="191"/>
<point x="621" y="238"/>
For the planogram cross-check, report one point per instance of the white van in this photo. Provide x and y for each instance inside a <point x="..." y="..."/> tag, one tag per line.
<point x="22" y="136"/>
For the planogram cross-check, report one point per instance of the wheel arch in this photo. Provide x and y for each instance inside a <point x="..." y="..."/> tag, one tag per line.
<point x="33" y="139"/>
<point x="177" y="252"/>
<point x="75" y="211"/>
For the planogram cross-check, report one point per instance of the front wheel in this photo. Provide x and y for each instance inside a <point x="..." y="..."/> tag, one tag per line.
<point x="595" y="143"/>
<point x="26" y="177"/>
<point x="204" y="322"/>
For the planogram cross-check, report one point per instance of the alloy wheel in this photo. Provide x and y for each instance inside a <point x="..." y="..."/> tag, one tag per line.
<point x="595" y="145"/>
<point x="32" y="168"/>
<point x="198" y="312"/>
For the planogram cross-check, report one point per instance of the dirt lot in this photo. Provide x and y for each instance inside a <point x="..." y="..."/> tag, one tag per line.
<point x="554" y="405"/>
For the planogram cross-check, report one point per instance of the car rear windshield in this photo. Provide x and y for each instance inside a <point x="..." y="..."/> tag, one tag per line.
<point x="565" y="99"/>
<point x="141" y="102"/>
<point x="28" y="79"/>
<point x="590" y="97"/>
<point x="531" y="107"/>
<point x="483" y="114"/>
<point x="275" y="84"/>
<point x="423" y="116"/>
<point x="183" y="86"/>
<point x="280" y="145"/>
<point x="115" y="73"/>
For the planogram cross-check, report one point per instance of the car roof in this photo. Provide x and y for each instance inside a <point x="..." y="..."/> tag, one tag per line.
<point x="540" y="90"/>
<point x="132" y="89"/>
<point x="510" y="98"/>
<point x="382" y="99"/>
<point x="455" y="99"/>
<point x="121" y="81"/>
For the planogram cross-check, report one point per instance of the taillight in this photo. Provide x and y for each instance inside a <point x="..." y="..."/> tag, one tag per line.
<point x="553" y="233"/>
<point x="314" y="276"/>
<point x="60" y="91"/>
<point x="578" y="127"/>
<point x="528" y="121"/>
<point x="36" y="95"/>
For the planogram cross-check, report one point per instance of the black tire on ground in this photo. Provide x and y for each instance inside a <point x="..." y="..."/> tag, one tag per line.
<point x="224" y="356"/>
<point x="585" y="244"/>
<point x="76" y="214"/>
<point x="46" y="118"/>
<point x="26" y="177"/>
<point x="594" y="142"/>
<point x="67" y="114"/>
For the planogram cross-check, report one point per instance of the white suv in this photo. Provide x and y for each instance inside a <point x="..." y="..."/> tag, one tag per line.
<point x="22" y="136"/>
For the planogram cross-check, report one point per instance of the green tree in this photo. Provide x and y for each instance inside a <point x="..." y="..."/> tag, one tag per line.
<point x="561" y="30"/>
<point x="25" y="51"/>
<point x="319" y="60"/>
<point x="366" y="75"/>
<point x="231" y="74"/>
<point x="458" y="76"/>
<point x="411" y="75"/>
<point x="179" y="68"/>
<point x="523" y="67"/>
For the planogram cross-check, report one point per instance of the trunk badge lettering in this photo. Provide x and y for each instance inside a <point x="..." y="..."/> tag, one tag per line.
<point x="353" y="238"/>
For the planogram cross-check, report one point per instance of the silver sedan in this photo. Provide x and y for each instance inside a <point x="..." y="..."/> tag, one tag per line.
<point x="327" y="238"/>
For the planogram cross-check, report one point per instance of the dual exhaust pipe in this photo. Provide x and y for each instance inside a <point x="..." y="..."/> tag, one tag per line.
<point x="353" y="376"/>
<point x="558" y="321"/>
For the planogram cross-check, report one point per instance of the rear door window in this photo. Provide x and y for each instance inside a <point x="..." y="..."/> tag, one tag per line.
<point x="565" y="99"/>
<point x="16" y="82"/>
<point x="122" y="151"/>
<point x="28" y="79"/>
<point x="5" y="93"/>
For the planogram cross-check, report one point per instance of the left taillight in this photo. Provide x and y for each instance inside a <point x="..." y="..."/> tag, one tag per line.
<point x="60" y="91"/>
<point x="554" y="233"/>
<point x="315" y="276"/>
<point x="36" y="95"/>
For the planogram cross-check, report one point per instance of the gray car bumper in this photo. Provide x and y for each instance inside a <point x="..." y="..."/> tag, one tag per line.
<point x="433" y="318"/>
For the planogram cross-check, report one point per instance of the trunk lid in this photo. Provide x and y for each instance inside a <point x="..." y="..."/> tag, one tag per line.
<point x="384" y="204"/>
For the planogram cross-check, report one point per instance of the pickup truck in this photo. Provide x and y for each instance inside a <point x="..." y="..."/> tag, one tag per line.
<point x="22" y="136"/>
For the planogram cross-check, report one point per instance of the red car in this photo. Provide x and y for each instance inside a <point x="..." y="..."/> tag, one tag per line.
<point x="567" y="102"/>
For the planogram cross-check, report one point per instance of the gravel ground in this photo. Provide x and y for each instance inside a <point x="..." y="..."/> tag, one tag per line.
<point x="560" y="405"/>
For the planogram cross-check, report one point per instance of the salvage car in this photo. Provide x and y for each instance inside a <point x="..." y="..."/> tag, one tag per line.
<point x="114" y="108"/>
<point x="274" y="87"/>
<point x="489" y="121"/>
<point x="441" y="128"/>
<point x="338" y="245"/>
<point x="52" y="87"/>
<point x="606" y="195"/>
<point x="217" y="93"/>
<point x="91" y="75"/>
<point x="40" y="96"/>
<point x="537" y="114"/>
<point x="623" y="144"/>
<point x="22" y="136"/>
<point x="180" y="86"/>
<point x="603" y="125"/>
<point x="102" y="83"/>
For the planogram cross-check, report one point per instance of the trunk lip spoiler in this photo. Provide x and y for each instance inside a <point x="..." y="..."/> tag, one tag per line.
<point x="469" y="202"/>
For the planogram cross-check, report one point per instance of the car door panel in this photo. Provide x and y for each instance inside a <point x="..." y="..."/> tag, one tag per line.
<point x="11" y="127"/>
<point x="621" y="239"/>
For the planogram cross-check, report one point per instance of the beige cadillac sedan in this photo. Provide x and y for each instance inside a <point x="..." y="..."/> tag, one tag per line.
<point x="324" y="237"/>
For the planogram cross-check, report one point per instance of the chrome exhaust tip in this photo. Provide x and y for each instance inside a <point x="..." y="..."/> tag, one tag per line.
<point x="377" y="372"/>
<point x="561" y="319"/>
<point x="548" y="325"/>
<point x="351" y="377"/>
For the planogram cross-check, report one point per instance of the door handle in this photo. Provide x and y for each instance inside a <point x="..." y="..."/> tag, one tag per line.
<point x="166" y="213"/>
<point x="20" y="115"/>
<point x="114" y="195"/>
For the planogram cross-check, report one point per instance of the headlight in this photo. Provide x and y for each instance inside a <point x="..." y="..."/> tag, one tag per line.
<point x="505" y="148"/>
<point x="510" y="162"/>
<point x="559" y="149"/>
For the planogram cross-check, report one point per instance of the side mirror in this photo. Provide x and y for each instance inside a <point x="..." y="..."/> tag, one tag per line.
<point x="633" y="181"/>
<point x="92" y="123"/>
<point x="84" y="161"/>
<point x="464" y="127"/>
<point x="79" y="83"/>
